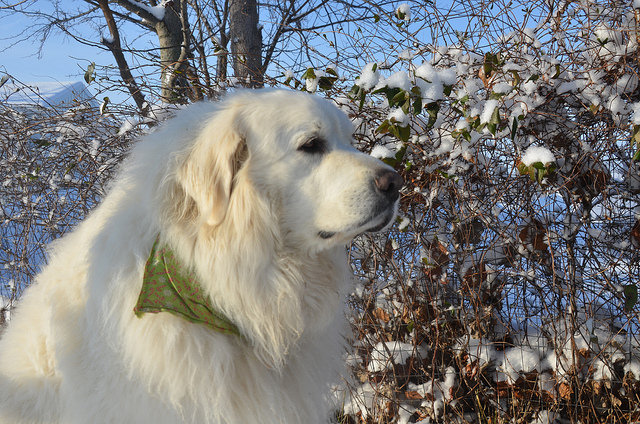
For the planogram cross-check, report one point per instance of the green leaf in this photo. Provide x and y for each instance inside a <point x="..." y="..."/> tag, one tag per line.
<point x="539" y="166"/>
<point x="376" y="18"/>
<point x="417" y="105"/>
<point x="384" y="127"/>
<point x="516" y="78"/>
<point x="400" y="153"/>
<point x="325" y="83"/>
<point x="491" y="64"/>
<point x="309" y="74"/>
<point x="523" y="169"/>
<point x="401" y="133"/>
<point x="400" y="97"/>
<point x="494" y="121"/>
<point x="404" y="133"/>
<point x="514" y="128"/>
<point x="41" y="143"/>
<point x="388" y="92"/>
<point x="432" y="110"/>
<point x="89" y="73"/>
<point x="630" y="296"/>
<point x="635" y="136"/>
<point x="464" y="99"/>
<point x="103" y="105"/>
<point x="636" y="157"/>
<point x="332" y="72"/>
<point x="410" y="326"/>
<point x="358" y="93"/>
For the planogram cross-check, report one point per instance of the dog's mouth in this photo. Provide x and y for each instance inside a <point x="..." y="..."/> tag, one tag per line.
<point x="377" y="221"/>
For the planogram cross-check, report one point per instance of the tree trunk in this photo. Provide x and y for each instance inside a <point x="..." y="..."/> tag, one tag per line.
<point x="174" y="83"/>
<point x="246" y="42"/>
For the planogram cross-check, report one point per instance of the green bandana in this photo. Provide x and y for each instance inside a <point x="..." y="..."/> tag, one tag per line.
<point x="167" y="287"/>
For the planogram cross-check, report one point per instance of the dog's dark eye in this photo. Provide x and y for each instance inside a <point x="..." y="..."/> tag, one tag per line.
<point x="314" y="145"/>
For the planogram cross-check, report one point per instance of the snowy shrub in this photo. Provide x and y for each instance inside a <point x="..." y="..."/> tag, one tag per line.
<point x="507" y="291"/>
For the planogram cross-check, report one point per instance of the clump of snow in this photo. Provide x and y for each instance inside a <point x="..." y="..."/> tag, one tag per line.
<point x="288" y="74"/>
<point x="362" y="400"/>
<point x="407" y="54"/>
<point x="537" y="154"/>
<point x="369" y="76"/>
<point x="436" y="392"/>
<point x="398" y="80"/>
<point x="627" y="83"/>
<point x="502" y="88"/>
<point x="487" y="112"/>
<point x="398" y="116"/>
<point x="404" y="223"/>
<point x="385" y="354"/>
<point x="381" y="152"/>
<point x="311" y="84"/>
<point x="635" y="112"/>
<point x="404" y="12"/>
<point x="127" y="125"/>
<point x="431" y="81"/>
<point x="633" y="366"/>
<point x="518" y="359"/>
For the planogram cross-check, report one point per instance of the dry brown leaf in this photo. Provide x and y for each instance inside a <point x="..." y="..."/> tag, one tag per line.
<point x="412" y="394"/>
<point x="565" y="391"/>
<point x="381" y="315"/>
<point x="635" y="234"/>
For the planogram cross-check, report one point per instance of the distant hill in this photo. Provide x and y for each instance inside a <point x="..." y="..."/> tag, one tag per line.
<point x="58" y="94"/>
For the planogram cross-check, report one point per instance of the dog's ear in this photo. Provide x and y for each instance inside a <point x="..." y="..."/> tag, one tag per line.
<point x="207" y="174"/>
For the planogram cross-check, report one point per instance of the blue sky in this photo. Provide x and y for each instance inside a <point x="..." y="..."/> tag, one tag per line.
<point x="61" y="58"/>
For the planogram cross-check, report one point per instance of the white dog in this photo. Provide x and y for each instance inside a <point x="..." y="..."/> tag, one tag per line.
<point x="251" y="200"/>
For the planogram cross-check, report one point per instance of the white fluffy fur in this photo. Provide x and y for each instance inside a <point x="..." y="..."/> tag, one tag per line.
<point x="227" y="187"/>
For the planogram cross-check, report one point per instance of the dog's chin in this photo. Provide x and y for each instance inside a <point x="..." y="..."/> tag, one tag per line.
<point x="372" y="224"/>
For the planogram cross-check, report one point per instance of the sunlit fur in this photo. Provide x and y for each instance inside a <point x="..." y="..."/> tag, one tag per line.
<point x="227" y="188"/>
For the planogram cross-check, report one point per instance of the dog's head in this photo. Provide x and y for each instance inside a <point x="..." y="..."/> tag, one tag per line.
<point x="295" y="152"/>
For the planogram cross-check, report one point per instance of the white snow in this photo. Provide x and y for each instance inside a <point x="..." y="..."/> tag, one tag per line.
<point x="398" y="117"/>
<point x="407" y="54"/>
<point x="156" y="11"/>
<point x="288" y="74"/>
<point x="380" y="152"/>
<point x="635" y="112"/>
<point x="399" y="79"/>
<point x="127" y="125"/>
<point x="386" y="354"/>
<point x="368" y="77"/>
<point x="537" y="154"/>
<point x="431" y="81"/>
<point x="62" y="94"/>
<point x="502" y="88"/>
<point x="405" y="10"/>
<point x="489" y="107"/>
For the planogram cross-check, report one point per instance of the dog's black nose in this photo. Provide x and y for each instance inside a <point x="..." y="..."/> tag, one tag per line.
<point x="388" y="182"/>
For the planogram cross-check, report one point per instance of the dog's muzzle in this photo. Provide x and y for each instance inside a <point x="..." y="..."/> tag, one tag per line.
<point x="387" y="184"/>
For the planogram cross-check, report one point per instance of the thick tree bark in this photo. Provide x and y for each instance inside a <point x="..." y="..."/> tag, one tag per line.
<point x="246" y="42"/>
<point x="174" y="53"/>
<point x="173" y="38"/>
